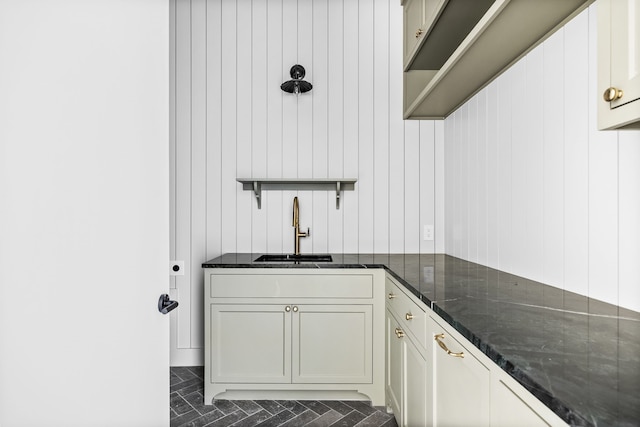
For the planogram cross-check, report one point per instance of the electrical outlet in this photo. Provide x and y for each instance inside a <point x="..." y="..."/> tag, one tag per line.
<point x="176" y="268"/>
<point x="428" y="232"/>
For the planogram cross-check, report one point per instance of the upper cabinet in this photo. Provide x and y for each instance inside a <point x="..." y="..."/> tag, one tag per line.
<point x="453" y="48"/>
<point x="619" y="64"/>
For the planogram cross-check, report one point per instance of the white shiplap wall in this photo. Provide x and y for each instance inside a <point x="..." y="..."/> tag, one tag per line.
<point x="230" y="119"/>
<point x="533" y="188"/>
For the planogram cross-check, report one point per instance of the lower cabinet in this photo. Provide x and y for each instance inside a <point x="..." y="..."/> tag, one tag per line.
<point x="460" y="383"/>
<point x="511" y="409"/>
<point x="250" y="343"/>
<point x="285" y="334"/>
<point x="448" y="381"/>
<point x="260" y="343"/>
<point x="408" y="394"/>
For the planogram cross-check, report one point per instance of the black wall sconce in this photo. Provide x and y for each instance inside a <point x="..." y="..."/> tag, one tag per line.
<point x="296" y="85"/>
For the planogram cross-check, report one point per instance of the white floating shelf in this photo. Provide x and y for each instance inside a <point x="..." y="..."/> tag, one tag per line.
<point x="327" y="184"/>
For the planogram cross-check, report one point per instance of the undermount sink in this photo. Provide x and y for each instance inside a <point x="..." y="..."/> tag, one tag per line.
<point x="294" y="258"/>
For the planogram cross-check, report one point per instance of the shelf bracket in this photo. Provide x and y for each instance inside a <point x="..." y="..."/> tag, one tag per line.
<point x="337" y="194"/>
<point x="257" y="190"/>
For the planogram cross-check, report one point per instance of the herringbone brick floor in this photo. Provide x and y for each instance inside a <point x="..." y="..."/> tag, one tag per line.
<point x="188" y="409"/>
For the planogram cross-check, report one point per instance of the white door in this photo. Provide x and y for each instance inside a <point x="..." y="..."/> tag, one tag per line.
<point x="84" y="205"/>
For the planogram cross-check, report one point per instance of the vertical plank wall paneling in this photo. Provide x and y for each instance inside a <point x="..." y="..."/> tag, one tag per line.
<point x="563" y="199"/>
<point x="230" y="120"/>
<point x="603" y="199"/>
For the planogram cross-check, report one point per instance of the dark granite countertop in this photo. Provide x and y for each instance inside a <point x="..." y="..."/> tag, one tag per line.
<point x="579" y="356"/>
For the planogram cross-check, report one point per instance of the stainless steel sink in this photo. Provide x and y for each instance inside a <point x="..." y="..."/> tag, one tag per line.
<point x="294" y="258"/>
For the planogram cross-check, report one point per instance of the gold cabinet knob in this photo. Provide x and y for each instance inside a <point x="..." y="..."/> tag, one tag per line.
<point x="419" y="33"/>
<point x="392" y="295"/>
<point x="287" y="309"/>
<point x="408" y="316"/>
<point x="399" y="333"/>
<point x="612" y="94"/>
<point x="295" y="308"/>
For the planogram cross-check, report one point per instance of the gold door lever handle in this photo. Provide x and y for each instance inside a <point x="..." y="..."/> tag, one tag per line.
<point x="439" y="338"/>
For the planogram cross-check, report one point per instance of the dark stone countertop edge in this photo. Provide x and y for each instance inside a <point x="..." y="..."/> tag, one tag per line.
<point x="563" y="411"/>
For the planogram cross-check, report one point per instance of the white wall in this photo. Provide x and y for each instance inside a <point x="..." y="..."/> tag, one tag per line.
<point x="533" y="188"/>
<point x="232" y="120"/>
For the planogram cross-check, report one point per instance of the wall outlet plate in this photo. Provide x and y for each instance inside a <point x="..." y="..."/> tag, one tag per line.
<point x="176" y="268"/>
<point x="428" y="232"/>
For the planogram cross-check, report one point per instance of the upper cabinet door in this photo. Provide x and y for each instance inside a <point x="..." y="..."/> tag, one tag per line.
<point x="419" y="16"/>
<point x="625" y="50"/>
<point x="619" y="64"/>
<point x="414" y="21"/>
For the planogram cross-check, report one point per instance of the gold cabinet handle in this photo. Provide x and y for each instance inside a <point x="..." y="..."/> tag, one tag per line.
<point x="295" y="308"/>
<point x="399" y="333"/>
<point x="612" y="94"/>
<point x="287" y="309"/>
<point x="392" y="295"/>
<point x="439" y="338"/>
<point x="408" y="316"/>
<point x="419" y="33"/>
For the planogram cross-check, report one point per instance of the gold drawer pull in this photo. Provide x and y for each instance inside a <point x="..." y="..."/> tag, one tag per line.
<point x="392" y="295"/>
<point x="399" y="333"/>
<point x="439" y="338"/>
<point x="408" y="316"/>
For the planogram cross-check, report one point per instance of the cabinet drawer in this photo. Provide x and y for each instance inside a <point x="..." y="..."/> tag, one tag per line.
<point x="290" y="286"/>
<point x="412" y="317"/>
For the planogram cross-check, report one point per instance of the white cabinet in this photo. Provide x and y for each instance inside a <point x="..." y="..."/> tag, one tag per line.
<point x="260" y="343"/>
<point x="250" y="343"/>
<point x="419" y="16"/>
<point x="408" y="379"/>
<point x="288" y="333"/>
<point x="408" y="372"/>
<point x="436" y="377"/>
<point x="512" y="409"/>
<point x="618" y="64"/>
<point x="332" y="344"/>
<point x="461" y="383"/>
<point x="465" y="44"/>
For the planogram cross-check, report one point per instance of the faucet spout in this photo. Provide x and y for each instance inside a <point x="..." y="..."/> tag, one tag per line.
<point x="296" y="226"/>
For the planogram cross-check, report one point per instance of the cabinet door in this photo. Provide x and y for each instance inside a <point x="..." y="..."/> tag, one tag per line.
<point x="461" y="384"/>
<point x="395" y="367"/>
<point x="618" y="64"/>
<point x="509" y="409"/>
<point x="625" y="49"/>
<point x="250" y="343"/>
<point x="414" y="20"/>
<point x="332" y="344"/>
<point x="418" y="396"/>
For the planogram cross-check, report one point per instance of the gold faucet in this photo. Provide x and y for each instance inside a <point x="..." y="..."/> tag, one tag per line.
<point x="296" y="225"/>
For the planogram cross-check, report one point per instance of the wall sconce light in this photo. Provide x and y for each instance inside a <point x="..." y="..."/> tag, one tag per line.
<point x="296" y="85"/>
